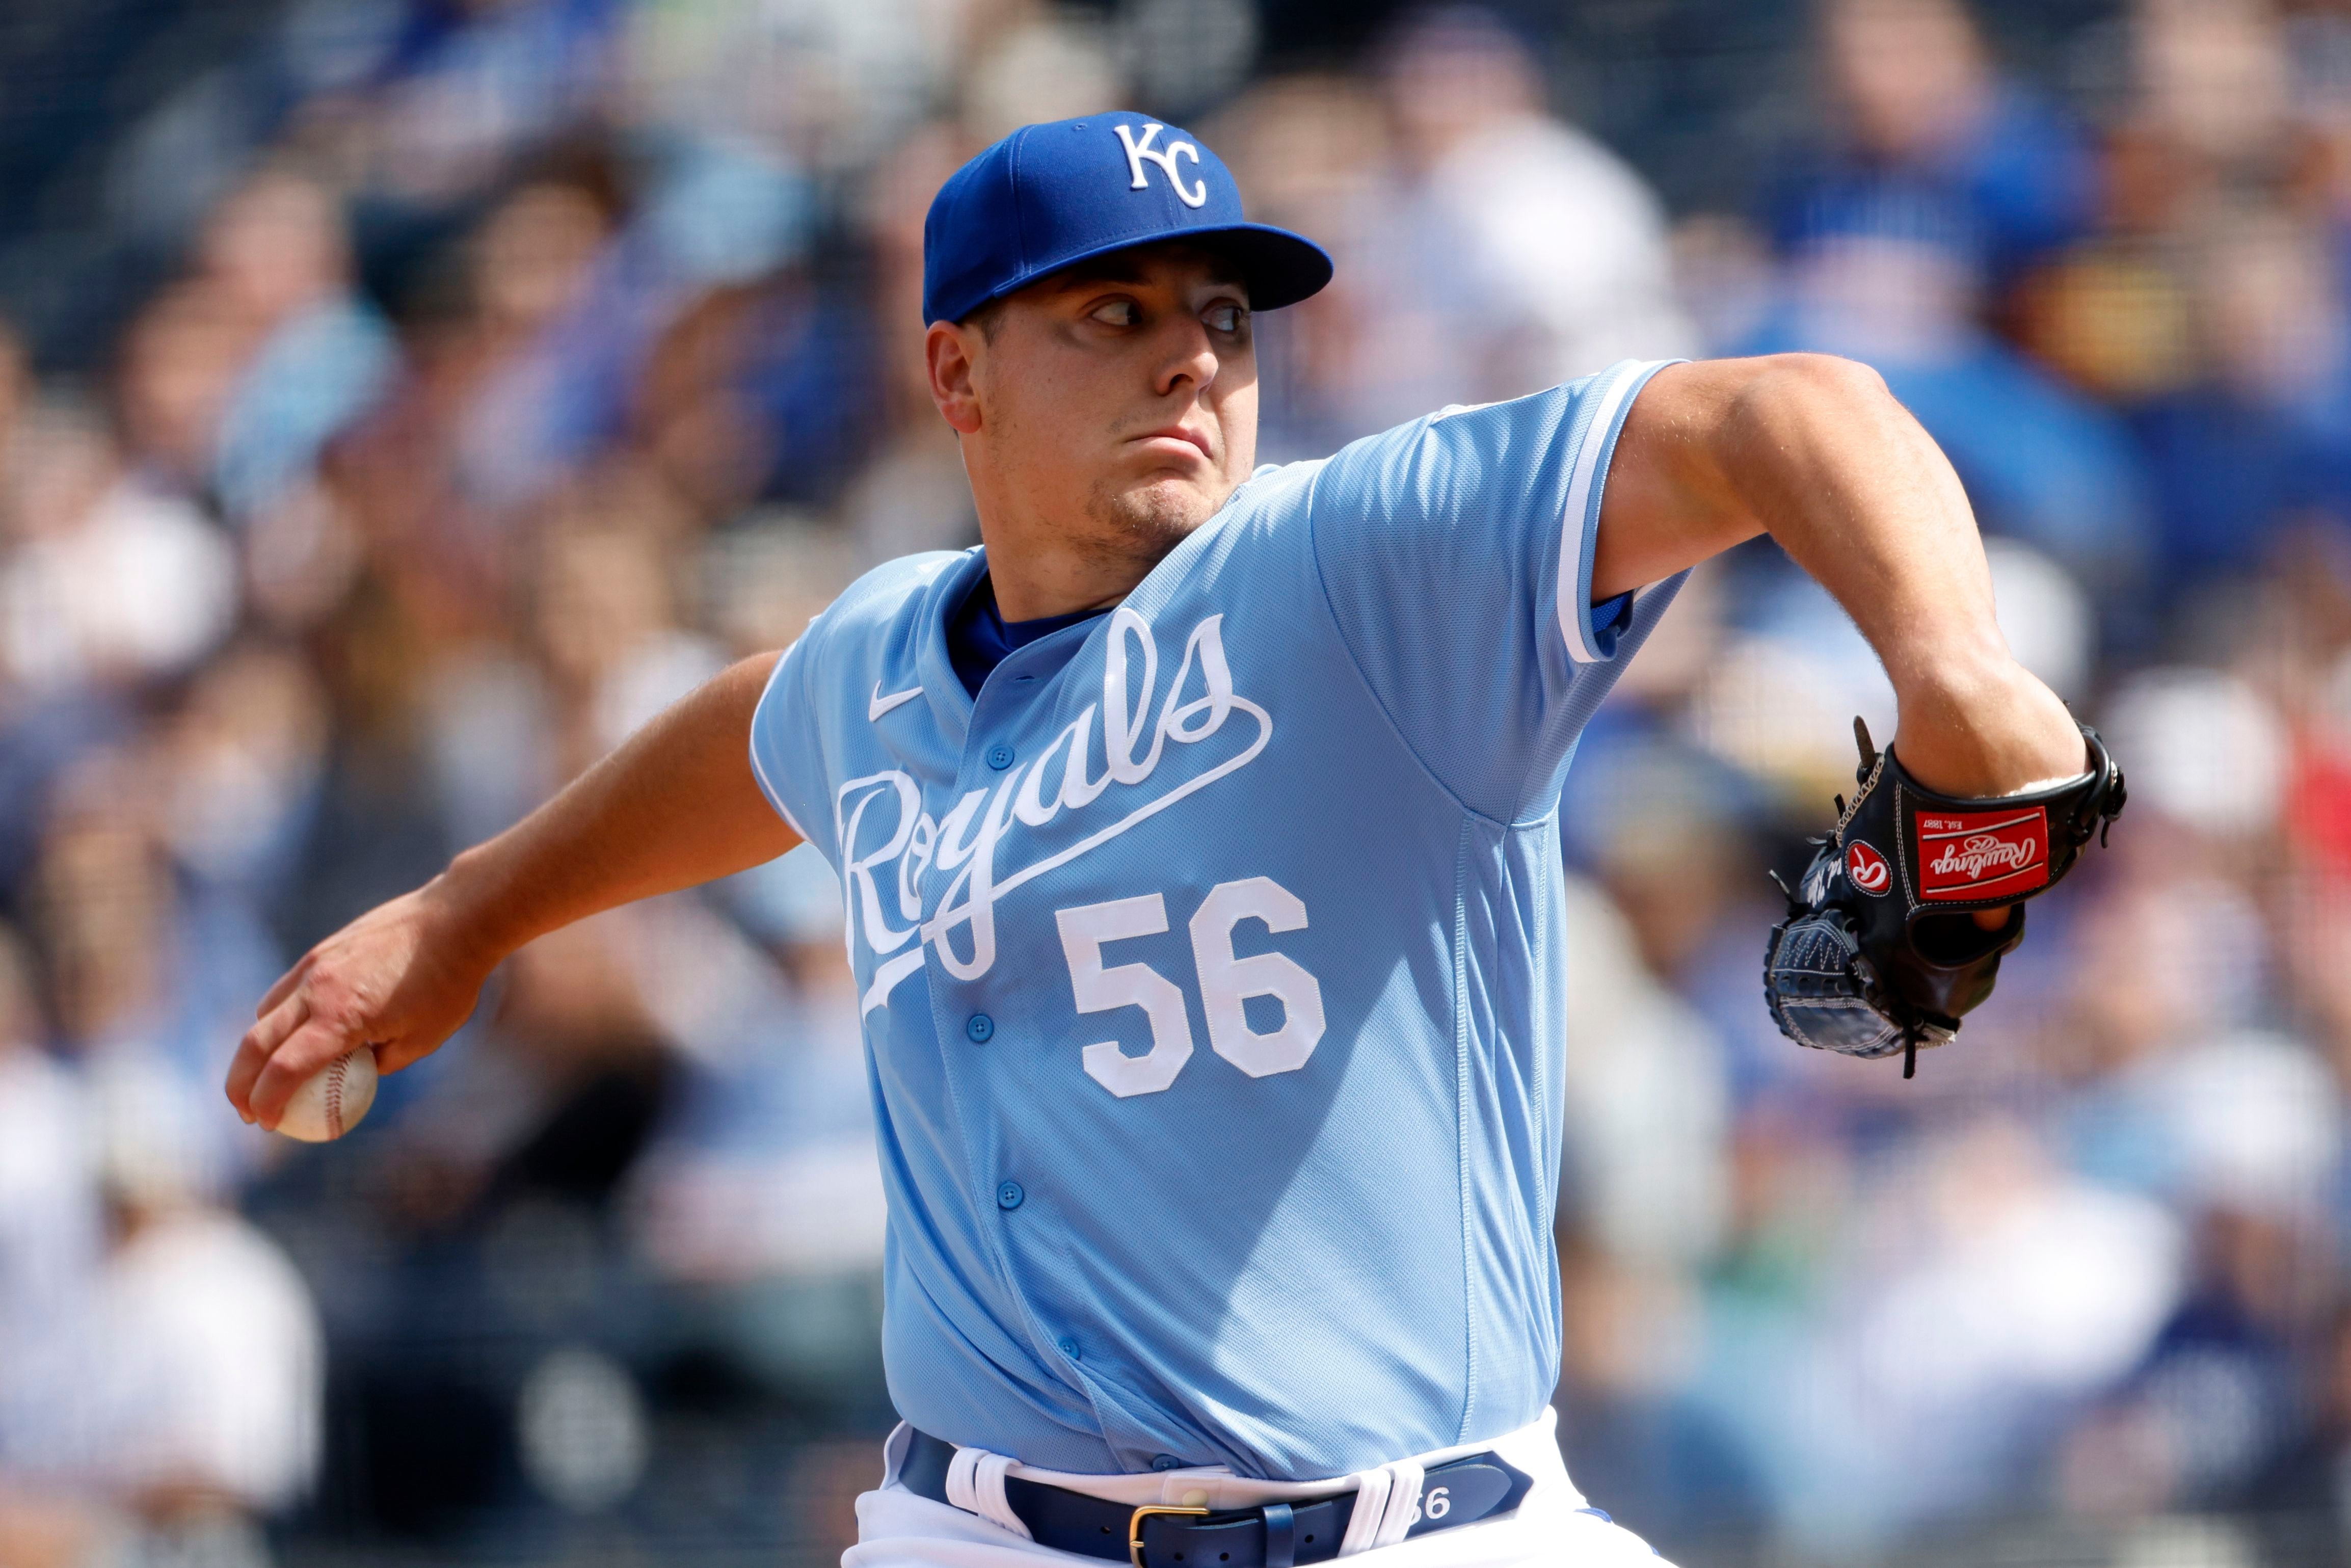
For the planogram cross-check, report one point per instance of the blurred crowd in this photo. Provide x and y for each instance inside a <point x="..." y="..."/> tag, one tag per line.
<point x="518" y="363"/>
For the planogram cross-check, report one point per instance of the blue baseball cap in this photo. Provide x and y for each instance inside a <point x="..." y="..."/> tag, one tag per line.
<point x="1049" y="195"/>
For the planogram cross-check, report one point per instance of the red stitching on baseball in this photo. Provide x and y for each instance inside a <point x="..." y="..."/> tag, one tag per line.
<point x="335" y="1072"/>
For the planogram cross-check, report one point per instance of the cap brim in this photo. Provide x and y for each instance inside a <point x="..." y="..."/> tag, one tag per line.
<point x="1279" y="267"/>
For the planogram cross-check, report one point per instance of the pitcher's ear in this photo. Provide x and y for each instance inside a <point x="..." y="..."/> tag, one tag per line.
<point x="949" y="349"/>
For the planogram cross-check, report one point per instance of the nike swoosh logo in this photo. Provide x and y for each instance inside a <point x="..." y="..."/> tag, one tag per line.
<point x="882" y="705"/>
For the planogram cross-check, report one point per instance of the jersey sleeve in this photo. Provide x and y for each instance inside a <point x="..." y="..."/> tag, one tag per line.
<point x="787" y="747"/>
<point x="1456" y="553"/>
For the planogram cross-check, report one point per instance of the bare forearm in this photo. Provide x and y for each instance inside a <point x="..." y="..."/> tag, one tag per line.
<point x="673" y="806"/>
<point x="1862" y="498"/>
<point x="1815" y="450"/>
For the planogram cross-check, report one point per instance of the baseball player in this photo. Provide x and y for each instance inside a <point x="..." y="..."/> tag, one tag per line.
<point x="1198" y="834"/>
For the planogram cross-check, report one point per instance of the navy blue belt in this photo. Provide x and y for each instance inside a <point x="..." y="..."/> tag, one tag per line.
<point x="1278" y="1535"/>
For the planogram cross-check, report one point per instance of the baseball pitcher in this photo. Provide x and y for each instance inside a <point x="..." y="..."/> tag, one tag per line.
<point x="1198" y="834"/>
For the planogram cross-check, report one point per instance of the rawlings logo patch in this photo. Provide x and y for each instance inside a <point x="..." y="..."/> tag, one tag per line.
<point x="1868" y="868"/>
<point x="1982" y="854"/>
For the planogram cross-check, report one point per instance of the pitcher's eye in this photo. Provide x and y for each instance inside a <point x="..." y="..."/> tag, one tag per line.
<point x="1227" y="317"/>
<point x="1115" y="313"/>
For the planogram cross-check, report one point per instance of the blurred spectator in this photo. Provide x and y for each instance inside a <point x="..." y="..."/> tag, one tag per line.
<point x="1631" y="1429"/>
<point x="2260" y="442"/>
<point x="677" y="292"/>
<point x="2185" y="727"/>
<point x="535" y="271"/>
<point x="106" y="580"/>
<point x="505" y="733"/>
<point x="140" y="975"/>
<point x="2199" y="141"/>
<point x="1992" y="1292"/>
<point x="1647" y="1107"/>
<point x="1931" y="146"/>
<point x="276" y="253"/>
<point x="1644" y="1198"/>
<point x="2211" y="106"/>
<point x="166" y="1387"/>
<point x="1942" y="183"/>
<point x="912" y="495"/>
<point x="840" y="84"/>
<point x="1035" y="65"/>
<point x="431" y="103"/>
<point x="1494" y="251"/>
<point x="761" y="1195"/>
<point x="245" y="754"/>
<point x="50" y="1229"/>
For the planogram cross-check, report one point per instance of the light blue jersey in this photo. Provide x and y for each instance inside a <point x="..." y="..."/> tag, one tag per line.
<point x="1212" y="959"/>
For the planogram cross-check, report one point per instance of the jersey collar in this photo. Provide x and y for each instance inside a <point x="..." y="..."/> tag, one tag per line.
<point x="950" y="704"/>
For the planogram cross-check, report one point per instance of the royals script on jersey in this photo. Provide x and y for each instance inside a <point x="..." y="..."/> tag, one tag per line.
<point x="1211" y="959"/>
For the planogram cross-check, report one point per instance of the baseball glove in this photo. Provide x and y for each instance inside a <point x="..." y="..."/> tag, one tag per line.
<point x="1878" y="953"/>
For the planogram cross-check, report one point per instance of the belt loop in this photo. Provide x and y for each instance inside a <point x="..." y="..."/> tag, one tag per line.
<point x="975" y="1484"/>
<point x="1405" y="1480"/>
<point x="1280" y="1536"/>
<point x="1371" y="1489"/>
<point x="988" y="1484"/>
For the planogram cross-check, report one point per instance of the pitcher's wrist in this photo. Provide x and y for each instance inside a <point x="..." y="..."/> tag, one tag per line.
<point x="472" y="902"/>
<point x="1981" y="730"/>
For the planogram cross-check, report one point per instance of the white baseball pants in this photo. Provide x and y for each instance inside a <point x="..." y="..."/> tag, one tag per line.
<point x="1553" y="1527"/>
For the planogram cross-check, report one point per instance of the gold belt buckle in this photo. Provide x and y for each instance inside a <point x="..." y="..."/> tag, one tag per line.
<point x="1135" y="1526"/>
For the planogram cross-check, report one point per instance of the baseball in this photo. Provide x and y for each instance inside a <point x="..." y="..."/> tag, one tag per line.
<point x="332" y="1100"/>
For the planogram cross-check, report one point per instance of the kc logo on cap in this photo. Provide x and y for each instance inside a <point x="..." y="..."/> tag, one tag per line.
<point x="1140" y="153"/>
<point x="1049" y="196"/>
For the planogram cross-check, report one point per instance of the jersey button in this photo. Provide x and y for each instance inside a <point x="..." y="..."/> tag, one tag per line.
<point x="999" y="756"/>
<point x="1010" y="1196"/>
<point x="1166" y="1462"/>
<point x="1068" y="1347"/>
<point x="980" y="1026"/>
